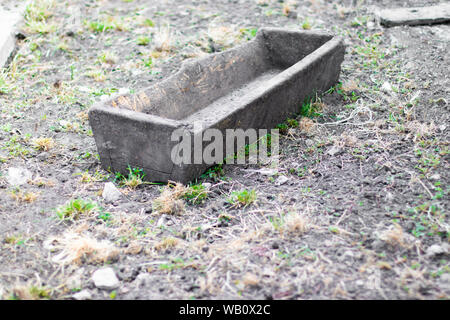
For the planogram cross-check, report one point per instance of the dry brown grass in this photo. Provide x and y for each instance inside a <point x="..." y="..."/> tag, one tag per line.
<point x="40" y="10"/>
<point x="167" y="243"/>
<point x="77" y="248"/>
<point x="420" y="130"/>
<point x="350" y="86"/>
<point x="40" y="181"/>
<point x="286" y="9"/>
<point x="123" y="224"/>
<point x="346" y="140"/>
<point x="21" y="196"/>
<point x="83" y="116"/>
<point x="343" y="11"/>
<point x="250" y="279"/>
<point x="296" y="224"/>
<point x="97" y="74"/>
<point x="134" y="248"/>
<point x="307" y="125"/>
<point x="164" y="40"/>
<point x="394" y="236"/>
<point x="169" y="201"/>
<point x="225" y="36"/>
<point x="108" y="57"/>
<point x="30" y="292"/>
<point x="44" y="144"/>
<point x="208" y="284"/>
<point x="264" y="2"/>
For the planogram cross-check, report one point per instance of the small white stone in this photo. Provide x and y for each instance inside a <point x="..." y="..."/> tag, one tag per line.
<point x="207" y="185"/>
<point x="105" y="279"/>
<point x="84" y="89"/>
<point x="123" y="91"/>
<point x="136" y="72"/>
<point x="110" y="192"/>
<point x="435" y="250"/>
<point x="386" y="87"/>
<point x="445" y="278"/>
<point x="82" y="295"/>
<point x="347" y="256"/>
<point x="64" y="123"/>
<point x="435" y="177"/>
<point x="281" y="180"/>
<point x="410" y="65"/>
<point x="143" y="280"/>
<point x="104" y="97"/>
<point x="161" y="221"/>
<point x="268" y="172"/>
<point x="389" y="197"/>
<point x="334" y="150"/>
<point x="18" y="176"/>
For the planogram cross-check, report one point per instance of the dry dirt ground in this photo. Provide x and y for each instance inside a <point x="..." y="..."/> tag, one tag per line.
<point x="360" y="210"/>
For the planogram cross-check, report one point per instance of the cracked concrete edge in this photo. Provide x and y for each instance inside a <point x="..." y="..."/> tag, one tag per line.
<point x="10" y="20"/>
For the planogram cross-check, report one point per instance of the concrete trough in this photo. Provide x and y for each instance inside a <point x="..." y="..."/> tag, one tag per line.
<point x="11" y="16"/>
<point x="255" y="85"/>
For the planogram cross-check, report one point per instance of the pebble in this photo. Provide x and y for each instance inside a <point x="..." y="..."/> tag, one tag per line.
<point x="18" y="176"/>
<point x="104" y="97"/>
<point x="359" y="283"/>
<point x="266" y="172"/>
<point x="389" y="197"/>
<point x="82" y="295"/>
<point x="435" y="177"/>
<point x="105" y="279"/>
<point x="386" y="87"/>
<point x="435" y="250"/>
<point x="123" y="91"/>
<point x="445" y="278"/>
<point x="42" y="156"/>
<point x="110" y="192"/>
<point x="143" y="280"/>
<point x="207" y="185"/>
<point x="378" y="245"/>
<point x="346" y="257"/>
<point x="64" y="123"/>
<point x="334" y="150"/>
<point x="161" y="221"/>
<point x="281" y="180"/>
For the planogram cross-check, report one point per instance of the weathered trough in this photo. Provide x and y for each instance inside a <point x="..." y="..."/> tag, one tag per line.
<point x="11" y="15"/>
<point x="255" y="85"/>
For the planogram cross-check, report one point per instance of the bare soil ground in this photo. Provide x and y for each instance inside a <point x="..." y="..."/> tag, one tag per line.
<point x="363" y="213"/>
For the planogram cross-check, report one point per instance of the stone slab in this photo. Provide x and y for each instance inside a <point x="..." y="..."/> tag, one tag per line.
<point x="415" y="16"/>
<point x="255" y="85"/>
<point x="11" y="15"/>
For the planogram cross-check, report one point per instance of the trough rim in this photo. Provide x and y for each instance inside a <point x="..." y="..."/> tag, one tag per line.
<point x="250" y="97"/>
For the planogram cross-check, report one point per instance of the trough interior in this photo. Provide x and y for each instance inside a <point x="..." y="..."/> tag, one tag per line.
<point x="203" y="85"/>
